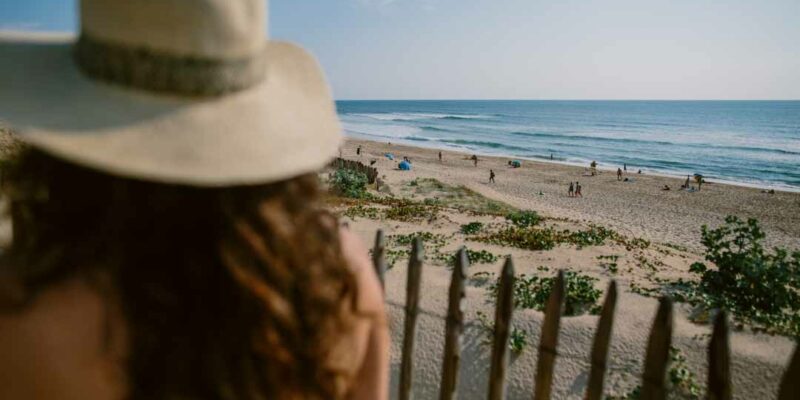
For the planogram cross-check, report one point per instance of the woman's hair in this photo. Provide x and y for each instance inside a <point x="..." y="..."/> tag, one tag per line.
<point x="226" y="293"/>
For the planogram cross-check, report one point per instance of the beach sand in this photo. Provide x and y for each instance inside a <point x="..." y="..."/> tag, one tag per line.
<point x="637" y="209"/>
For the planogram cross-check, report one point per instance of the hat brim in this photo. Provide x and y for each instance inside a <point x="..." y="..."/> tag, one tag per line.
<point x="283" y="127"/>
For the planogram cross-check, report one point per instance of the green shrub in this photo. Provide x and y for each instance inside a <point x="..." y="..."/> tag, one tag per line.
<point x="531" y="238"/>
<point x="594" y="236"/>
<point x="411" y="212"/>
<point x="524" y="238"/>
<point x="524" y="219"/>
<point x="362" y="211"/>
<point x="349" y="183"/>
<point x="755" y="286"/>
<point x="532" y="292"/>
<point x="429" y="239"/>
<point x="471" y="228"/>
<point x="474" y="257"/>
<point x="609" y="263"/>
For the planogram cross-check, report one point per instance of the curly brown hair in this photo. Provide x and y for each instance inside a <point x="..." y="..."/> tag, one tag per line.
<point x="227" y="293"/>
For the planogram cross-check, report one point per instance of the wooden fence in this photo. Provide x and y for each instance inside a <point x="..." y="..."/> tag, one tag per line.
<point x="372" y="173"/>
<point x="653" y="385"/>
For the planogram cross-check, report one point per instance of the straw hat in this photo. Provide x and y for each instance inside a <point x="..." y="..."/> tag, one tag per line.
<point x="176" y="91"/>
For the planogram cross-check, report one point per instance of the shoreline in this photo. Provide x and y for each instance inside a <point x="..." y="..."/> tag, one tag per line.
<point x="638" y="208"/>
<point x="778" y="187"/>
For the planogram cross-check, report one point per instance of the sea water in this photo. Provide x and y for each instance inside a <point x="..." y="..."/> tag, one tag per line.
<point x="746" y="142"/>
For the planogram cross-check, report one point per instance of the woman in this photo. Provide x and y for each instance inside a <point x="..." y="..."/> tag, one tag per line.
<point x="130" y="289"/>
<point x="169" y="240"/>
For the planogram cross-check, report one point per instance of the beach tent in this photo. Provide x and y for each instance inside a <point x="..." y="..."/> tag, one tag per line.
<point x="516" y="163"/>
<point x="405" y="166"/>
<point x="389" y="156"/>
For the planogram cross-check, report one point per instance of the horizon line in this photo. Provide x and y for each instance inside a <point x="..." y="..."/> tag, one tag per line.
<point x="556" y="99"/>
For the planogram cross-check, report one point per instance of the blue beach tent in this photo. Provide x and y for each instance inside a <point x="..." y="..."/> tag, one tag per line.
<point x="405" y="166"/>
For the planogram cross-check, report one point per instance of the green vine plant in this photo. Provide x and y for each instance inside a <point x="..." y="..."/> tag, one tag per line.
<point x="532" y="292"/>
<point x="517" y="339"/>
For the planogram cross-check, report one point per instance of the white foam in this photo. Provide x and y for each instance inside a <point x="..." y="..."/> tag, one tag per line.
<point x="414" y="116"/>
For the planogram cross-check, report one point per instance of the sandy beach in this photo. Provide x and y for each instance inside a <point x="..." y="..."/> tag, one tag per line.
<point x="635" y="209"/>
<point x="638" y="207"/>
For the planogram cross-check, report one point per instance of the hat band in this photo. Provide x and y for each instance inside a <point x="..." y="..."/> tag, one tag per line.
<point x="143" y="68"/>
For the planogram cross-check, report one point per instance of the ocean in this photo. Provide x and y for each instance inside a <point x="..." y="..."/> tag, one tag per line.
<point x="753" y="143"/>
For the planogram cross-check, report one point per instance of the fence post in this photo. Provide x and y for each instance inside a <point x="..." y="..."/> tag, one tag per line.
<point x="549" y="340"/>
<point x="502" y="328"/>
<point x="412" y="309"/>
<point x="790" y="387"/>
<point x="719" y="370"/>
<point x="454" y="327"/>
<point x="379" y="256"/>
<point x="599" y="357"/>
<point x="655" y="364"/>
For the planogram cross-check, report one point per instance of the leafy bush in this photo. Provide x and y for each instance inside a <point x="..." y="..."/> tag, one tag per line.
<point x="430" y="239"/>
<point x="757" y="287"/>
<point x="362" y="211"/>
<point x="471" y="228"/>
<point x="475" y="257"/>
<point x="349" y="183"/>
<point x="532" y="292"/>
<point x="524" y="219"/>
<point x="524" y="238"/>
<point x="594" y="236"/>
<point x="609" y="263"/>
<point x="411" y="213"/>
<point x="546" y="238"/>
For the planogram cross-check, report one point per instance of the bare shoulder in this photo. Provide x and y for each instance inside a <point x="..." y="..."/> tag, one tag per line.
<point x="356" y="253"/>
<point x="59" y="339"/>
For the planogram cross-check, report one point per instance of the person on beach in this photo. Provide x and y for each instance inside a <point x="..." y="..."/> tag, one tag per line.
<point x="440" y="156"/>
<point x="625" y="167"/>
<point x="619" y="174"/>
<point x="571" y="190"/>
<point x="491" y="176"/>
<point x="170" y="239"/>
<point x="578" y="190"/>
<point x="593" y="166"/>
<point x="475" y="159"/>
<point x="358" y="150"/>
<point x="686" y="184"/>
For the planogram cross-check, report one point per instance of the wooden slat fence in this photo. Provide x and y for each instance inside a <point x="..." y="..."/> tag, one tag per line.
<point x="656" y="359"/>
<point x="370" y="172"/>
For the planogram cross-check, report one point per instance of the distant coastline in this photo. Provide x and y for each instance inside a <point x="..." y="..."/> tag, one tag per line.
<point x="744" y="143"/>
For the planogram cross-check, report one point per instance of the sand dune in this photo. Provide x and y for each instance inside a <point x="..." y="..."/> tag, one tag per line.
<point x="636" y="209"/>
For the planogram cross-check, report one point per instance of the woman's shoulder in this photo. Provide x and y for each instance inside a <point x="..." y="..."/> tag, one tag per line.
<point x="61" y="338"/>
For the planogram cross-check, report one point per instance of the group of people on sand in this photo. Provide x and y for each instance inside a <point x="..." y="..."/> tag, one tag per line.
<point x="574" y="190"/>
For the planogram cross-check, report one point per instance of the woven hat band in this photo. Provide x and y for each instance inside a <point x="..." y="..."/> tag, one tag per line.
<point x="147" y="69"/>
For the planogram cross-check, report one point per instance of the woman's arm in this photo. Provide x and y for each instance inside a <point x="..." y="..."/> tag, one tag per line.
<point x="372" y="379"/>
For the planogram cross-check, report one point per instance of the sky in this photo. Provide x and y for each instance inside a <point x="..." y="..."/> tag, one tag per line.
<point x="526" y="49"/>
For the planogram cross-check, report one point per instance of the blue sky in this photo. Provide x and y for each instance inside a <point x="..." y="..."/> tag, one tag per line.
<point x="512" y="49"/>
